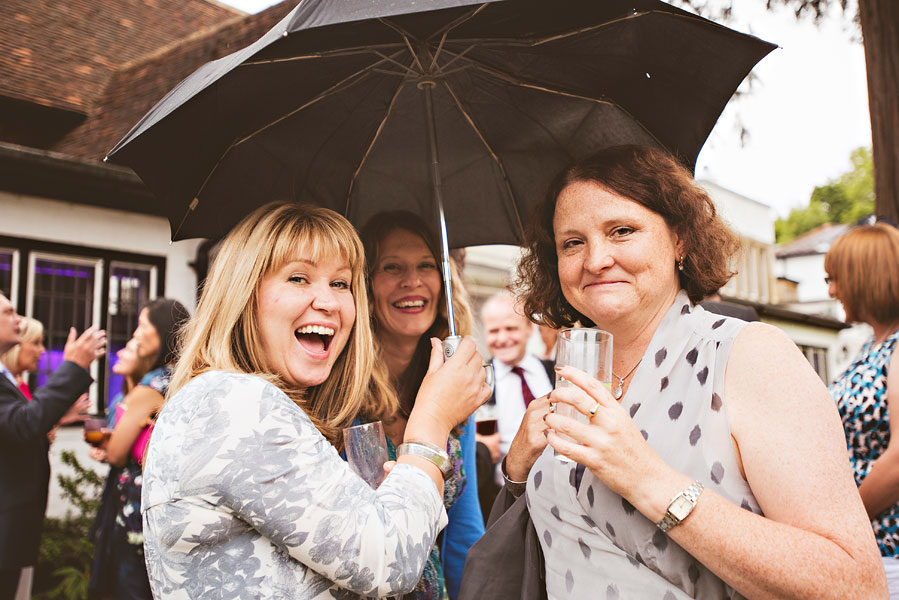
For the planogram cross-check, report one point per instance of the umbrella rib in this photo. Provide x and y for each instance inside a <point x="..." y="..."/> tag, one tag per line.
<point x="496" y="159"/>
<point x="337" y="87"/>
<point x="371" y="145"/>
<point x="406" y="68"/>
<point x="459" y="21"/>
<point x="405" y="35"/>
<point x="329" y="54"/>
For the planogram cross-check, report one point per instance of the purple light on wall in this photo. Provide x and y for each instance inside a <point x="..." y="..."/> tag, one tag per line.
<point x="65" y="272"/>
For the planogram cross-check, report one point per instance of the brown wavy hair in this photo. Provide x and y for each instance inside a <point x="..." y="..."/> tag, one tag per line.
<point x="863" y="263"/>
<point x="654" y="179"/>
<point x="373" y="234"/>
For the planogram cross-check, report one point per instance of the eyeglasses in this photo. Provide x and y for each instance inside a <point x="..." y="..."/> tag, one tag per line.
<point x="828" y="280"/>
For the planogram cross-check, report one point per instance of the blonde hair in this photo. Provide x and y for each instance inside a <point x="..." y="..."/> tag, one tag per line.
<point x="864" y="263"/>
<point x="373" y="234"/>
<point x="30" y="330"/>
<point x="224" y="332"/>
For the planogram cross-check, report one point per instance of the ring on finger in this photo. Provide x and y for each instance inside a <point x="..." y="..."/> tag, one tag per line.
<point x="592" y="411"/>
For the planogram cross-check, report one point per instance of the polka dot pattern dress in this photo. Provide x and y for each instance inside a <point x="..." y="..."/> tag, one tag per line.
<point x="595" y="543"/>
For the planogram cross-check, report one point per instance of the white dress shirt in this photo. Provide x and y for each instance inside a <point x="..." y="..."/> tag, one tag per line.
<point x="509" y="402"/>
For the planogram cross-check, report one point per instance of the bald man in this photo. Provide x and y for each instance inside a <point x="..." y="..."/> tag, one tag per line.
<point x="520" y="375"/>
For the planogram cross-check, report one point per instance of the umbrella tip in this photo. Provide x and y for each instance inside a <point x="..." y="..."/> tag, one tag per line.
<point x="284" y="33"/>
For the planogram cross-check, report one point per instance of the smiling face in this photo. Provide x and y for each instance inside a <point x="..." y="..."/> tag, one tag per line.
<point x="9" y="325"/>
<point x="126" y="358"/>
<point x="405" y="285"/>
<point x="507" y="330"/>
<point x="305" y="314"/>
<point x="147" y="337"/>
<point x="616" y="258"/>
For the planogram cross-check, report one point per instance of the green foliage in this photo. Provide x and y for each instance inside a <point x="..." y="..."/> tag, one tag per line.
<point x="843" y="200"/>
<point x="63" y="568"/>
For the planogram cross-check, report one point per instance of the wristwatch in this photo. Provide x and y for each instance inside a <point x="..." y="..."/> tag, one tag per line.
<point x="429" y="452"/>
<point x="680" y="506"/>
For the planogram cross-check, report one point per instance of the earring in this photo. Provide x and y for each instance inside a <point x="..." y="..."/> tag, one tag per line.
<point x="680" y="263"/>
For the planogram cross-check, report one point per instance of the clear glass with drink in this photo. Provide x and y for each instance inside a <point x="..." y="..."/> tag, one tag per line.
<point x="366" y="452"/>
<point x="485" y="418"/>
<point x="589" y="350"/>
<point x="95" y="430"/>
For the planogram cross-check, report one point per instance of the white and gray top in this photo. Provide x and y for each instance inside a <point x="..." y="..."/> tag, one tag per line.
<point x="596" y="544"/>
<point x="244" y="498"/>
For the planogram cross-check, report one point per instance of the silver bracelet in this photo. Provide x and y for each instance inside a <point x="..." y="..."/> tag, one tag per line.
<point x="515" y="487"/>
<point x="429" y="452"/>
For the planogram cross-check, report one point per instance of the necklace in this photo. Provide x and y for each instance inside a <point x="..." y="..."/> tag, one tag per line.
<point x="618" y="391"/>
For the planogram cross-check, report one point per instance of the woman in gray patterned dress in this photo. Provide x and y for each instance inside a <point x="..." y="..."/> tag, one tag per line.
<point x="720" y="470"/>
<point x="245" y="494"/>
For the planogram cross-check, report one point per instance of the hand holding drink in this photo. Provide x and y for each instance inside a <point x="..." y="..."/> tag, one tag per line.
<point x="589" y="350"/>
<point x="95" y="431"/>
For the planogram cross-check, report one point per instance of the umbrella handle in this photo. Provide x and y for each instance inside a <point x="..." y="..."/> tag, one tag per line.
<point x="450" y="343"/>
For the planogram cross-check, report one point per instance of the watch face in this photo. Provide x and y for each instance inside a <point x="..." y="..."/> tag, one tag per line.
<point x="680" y="507"/>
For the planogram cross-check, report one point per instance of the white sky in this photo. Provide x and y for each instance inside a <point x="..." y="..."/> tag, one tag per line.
<point x="807" y="111"/>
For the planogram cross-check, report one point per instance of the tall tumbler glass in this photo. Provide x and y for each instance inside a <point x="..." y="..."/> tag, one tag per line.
<point x="589" y="350"/>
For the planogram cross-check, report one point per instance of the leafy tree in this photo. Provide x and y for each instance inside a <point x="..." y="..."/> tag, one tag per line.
<point x="843" y="200"/>
<point x="879" y="23"/>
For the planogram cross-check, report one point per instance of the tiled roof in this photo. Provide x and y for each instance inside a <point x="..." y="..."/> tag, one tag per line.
<point x="62" y="53"/>
<point x="816" y="241"/>
<point x="132" y="91"/>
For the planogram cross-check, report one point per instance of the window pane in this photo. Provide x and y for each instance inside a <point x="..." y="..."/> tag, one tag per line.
<point x="63" y="298"/>
<point x="6" y="258"/>
<point x="129" y="289"/>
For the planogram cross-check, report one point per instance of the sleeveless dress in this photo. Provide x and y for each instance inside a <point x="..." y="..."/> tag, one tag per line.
<point x="595" y="543"/>
<point x="861" y="397"/>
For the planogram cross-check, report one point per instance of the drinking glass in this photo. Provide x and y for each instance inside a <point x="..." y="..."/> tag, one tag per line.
<point x="95" y="430"/>
<point x="485" y="418"/>
<point x="589" y="350"/>
<point x="366" y="451"/>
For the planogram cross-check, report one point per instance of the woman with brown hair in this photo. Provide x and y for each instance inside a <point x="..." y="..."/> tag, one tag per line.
<point x="245" y="492"/>
<point x="719" y="471"/>
<point x="408" y="308"/>
<point x="863" y="274"/>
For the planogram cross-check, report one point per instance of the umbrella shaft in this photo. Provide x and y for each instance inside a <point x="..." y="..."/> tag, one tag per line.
<point x="425" y="87"/>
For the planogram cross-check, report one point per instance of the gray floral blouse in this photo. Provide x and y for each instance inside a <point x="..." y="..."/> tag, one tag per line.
<point x="244" y="498"/>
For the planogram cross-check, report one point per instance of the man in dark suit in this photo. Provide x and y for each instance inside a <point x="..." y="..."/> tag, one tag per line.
<point x="24" y="467"/>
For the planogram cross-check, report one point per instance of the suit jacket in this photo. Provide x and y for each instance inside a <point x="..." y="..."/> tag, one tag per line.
<point x="24" y="467"/>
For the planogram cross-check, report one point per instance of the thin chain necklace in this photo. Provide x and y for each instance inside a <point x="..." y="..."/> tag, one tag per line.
<point x="618" y="391"/>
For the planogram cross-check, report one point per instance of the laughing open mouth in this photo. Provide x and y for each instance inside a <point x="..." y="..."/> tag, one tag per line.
<point x="316" y="338"/>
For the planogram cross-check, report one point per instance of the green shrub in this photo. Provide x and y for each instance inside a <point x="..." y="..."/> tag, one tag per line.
<point x="66" y="553"/>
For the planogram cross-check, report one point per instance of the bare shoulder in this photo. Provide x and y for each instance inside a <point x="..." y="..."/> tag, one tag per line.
<point x="767" y="376"/>
<point x="144" y="398"/>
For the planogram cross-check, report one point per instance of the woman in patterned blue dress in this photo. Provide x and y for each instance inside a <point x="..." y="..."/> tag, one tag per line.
<point x="245" y="493"/>
<point x="409" y="308"/>
<point x="863" y="274"/>
<point x="717" y="468"/>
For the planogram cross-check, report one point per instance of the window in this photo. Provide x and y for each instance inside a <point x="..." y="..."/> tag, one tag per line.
<point x="817" y="357"/>
<point x="63" y="292"/>
<point x="130" y="287"/>
<point x="67" y="286"/>
<point x="8" y="279"/>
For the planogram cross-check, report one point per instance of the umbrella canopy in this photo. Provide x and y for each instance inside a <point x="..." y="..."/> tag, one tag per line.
<point x="365" y="106"/>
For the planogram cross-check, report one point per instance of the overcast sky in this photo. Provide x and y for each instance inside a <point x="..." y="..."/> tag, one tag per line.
<point x="807" y="111"/>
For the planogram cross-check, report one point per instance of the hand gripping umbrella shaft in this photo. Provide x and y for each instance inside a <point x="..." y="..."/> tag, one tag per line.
<point x="452" y="340"/>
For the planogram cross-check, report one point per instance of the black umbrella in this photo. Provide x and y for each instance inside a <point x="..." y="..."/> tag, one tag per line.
<point x="461" y="113"/>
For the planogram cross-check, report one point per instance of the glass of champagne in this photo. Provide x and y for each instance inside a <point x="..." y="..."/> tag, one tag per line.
<point x="587" y="349"/>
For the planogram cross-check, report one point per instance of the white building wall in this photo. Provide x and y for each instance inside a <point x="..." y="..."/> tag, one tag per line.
<point x="77" y="224"/>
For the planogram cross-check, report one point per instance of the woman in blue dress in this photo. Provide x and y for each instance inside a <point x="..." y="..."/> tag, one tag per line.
<point x="408" y="309"/>
<point x="863" y="274"/>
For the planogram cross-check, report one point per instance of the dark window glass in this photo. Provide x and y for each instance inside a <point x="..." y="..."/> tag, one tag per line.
<point x="129" y="289"/>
